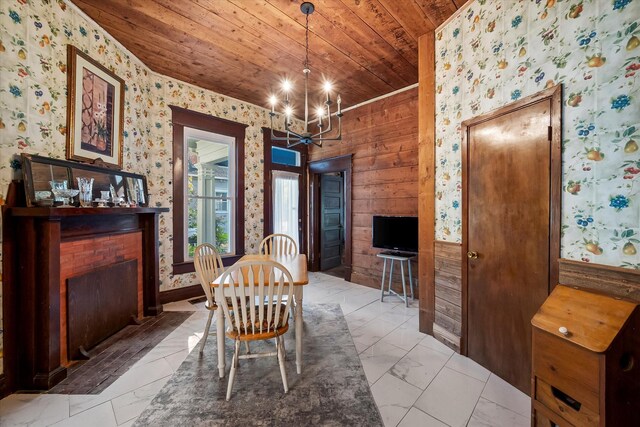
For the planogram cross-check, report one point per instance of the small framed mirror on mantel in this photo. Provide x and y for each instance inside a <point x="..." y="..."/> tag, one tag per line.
<point x="41" y="174"/>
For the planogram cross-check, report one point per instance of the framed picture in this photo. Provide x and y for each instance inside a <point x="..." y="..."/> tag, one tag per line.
<point x="95" y="106"/>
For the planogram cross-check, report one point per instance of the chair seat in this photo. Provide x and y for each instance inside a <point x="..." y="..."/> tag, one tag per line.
<point x="238" y="331"/>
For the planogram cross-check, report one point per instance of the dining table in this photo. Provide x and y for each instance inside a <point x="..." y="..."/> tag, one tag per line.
<point x="297" y="266"/>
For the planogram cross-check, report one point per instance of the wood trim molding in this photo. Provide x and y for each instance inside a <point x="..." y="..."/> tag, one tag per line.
<point x="180" y="118"/>
<point x="447" y="338"/>
<point x="613" y="281"/>
<point x="426" y="182"/>
<point x="317" y="168"/>
<point x="181" y="294"/>
<point x="4" y="389"/>
<point x="554" y="95"/>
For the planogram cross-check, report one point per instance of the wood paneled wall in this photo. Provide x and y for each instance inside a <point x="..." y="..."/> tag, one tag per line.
<point x="614" y="281"/>
<point x="383" y="138"/>
<point x="448" y="293"/>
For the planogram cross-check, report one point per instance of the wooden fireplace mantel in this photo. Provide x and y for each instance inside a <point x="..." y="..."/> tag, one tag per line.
<point x="34" y="243"/>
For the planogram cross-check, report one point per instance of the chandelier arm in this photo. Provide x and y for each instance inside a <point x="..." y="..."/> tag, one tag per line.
<point x="321" y="133"/>
<point x="282" y="138"/>
<point x="329" y="124"/>
<point x="285" y="138"/>
<point x="337" y="137"/>
<point x="287" y="129"/>
<point x="333" y="138"/>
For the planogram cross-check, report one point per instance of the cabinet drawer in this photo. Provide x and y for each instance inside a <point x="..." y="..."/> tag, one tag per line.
<point x="565" y="405"/>
<point x="544" y="417"/>
<point x="567" y="367"/>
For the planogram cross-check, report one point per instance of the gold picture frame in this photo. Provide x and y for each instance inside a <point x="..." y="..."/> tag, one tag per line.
<point x="95" y="111"/>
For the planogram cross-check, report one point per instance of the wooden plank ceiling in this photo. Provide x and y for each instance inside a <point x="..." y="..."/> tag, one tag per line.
<point x="245" y="48"/>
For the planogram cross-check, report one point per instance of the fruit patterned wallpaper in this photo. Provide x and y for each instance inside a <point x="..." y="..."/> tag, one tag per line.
<point x="496" y="52"/>
<point x="33" y="39"/>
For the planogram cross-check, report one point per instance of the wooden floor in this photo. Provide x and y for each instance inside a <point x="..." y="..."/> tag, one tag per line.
<point x="114" y="356"/>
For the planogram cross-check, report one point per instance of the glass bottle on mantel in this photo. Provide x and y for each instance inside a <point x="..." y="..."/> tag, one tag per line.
<point x="58" y="185"/>
<point x="114" y="195"/>
<point x="85" y="185"/>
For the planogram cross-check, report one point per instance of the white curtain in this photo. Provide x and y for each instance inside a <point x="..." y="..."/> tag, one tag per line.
<point x="285" y="204"/>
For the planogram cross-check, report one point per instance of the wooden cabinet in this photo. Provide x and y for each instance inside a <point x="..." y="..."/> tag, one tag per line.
<point x="586" y="361"/>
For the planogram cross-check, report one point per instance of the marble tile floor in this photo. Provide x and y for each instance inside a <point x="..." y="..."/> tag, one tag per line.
<point x="415" y="380"/>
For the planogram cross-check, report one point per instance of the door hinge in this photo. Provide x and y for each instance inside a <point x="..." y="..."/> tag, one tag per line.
<point x="550" y="132"/>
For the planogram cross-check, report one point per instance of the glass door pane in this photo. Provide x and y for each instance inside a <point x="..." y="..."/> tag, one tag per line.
<point x="286" y="207"/>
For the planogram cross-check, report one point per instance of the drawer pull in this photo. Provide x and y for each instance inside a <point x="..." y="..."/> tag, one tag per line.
<point x="566" y="399"/>
<point x="564" y="331"/>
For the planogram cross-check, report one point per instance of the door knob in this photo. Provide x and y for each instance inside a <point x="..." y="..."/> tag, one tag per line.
<point x="472" y="255"/>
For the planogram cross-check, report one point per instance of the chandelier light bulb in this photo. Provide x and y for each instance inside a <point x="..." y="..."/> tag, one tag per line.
<point x="320" y="112"/>
<point x="273" y="101"/>
<point x="327" y="87"/>
<point x="286" y="86"/>
<point x="288" y="111"/>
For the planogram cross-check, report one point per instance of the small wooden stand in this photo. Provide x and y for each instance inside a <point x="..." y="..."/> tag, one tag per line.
<point x="586" y="361"/>
<point x="401" y="258"/>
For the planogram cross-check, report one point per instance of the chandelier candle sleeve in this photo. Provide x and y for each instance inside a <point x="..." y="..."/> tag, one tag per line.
<point x="306" y="137"/>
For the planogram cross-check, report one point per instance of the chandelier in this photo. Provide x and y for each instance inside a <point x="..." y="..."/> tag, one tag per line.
<point x="323" y="111"/>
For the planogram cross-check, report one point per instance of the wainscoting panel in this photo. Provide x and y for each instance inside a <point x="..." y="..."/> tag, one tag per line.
<point x="448" y="283"/>
<point x="613" y="281"/>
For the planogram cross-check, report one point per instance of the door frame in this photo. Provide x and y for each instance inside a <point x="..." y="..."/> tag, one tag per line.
<point x="334" y="164"/>
<point x="269" y="166"/>
<point x="554" y="94"/>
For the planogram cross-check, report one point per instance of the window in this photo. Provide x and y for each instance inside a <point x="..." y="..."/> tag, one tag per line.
<point x="208" y="186"/>
<point x="285" y="156"/>
<point x="210" y="190"/>
<point x="286" y="199"/>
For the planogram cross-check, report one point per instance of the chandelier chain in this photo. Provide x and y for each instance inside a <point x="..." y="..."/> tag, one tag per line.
<point x="306" y="43"/>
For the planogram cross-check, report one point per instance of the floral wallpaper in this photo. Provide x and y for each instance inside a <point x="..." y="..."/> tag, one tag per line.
<point x="495" y="52"/>
<point x="33" y="38"/>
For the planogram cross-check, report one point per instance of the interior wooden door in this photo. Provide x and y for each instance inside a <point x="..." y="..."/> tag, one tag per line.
<point x="332" y="220"/>
<point x="507" y="222"/>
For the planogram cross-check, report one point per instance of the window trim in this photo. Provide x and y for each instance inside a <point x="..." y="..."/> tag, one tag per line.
<point x="182" y="118"/>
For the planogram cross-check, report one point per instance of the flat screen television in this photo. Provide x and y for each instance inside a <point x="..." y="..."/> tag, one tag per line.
<point x="396" y="233"/>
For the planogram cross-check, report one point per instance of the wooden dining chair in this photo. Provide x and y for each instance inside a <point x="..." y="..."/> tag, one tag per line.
<point x="270" y="285"/>
<point x="208" y="264"/>
<point x="278" y="244"/>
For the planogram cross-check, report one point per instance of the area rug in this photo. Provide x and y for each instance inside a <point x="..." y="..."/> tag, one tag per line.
<point x="115" y="355"/>
<point x="331" y="391"/>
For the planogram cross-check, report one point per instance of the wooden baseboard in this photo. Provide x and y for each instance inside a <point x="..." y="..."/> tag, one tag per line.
<point x="181" y="294"/>
<point x="424" y="322"/>
<point x="613" y="281"/>
<point x="446" y="337"/>
<point x="4" y="388"/>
